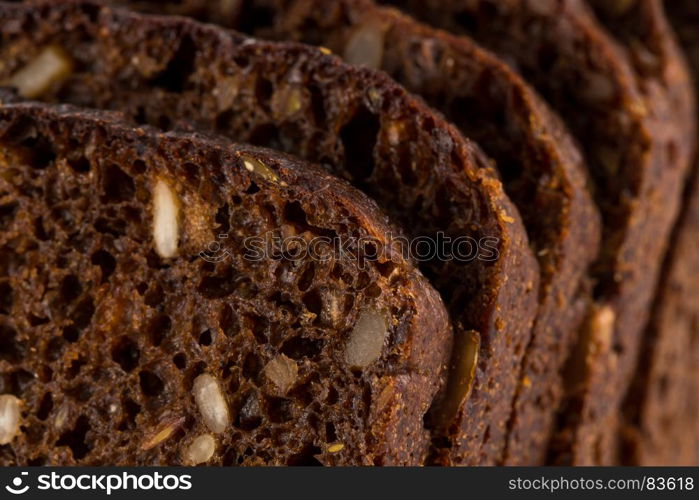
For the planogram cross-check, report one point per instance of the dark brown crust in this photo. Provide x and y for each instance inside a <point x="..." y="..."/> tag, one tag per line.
<point x="403" y="382"/>
<point x="663" y="77"/>
<point x="543" y="171"/>
<point x="450" y="186"/>
<point x="660" y="413"/>
<point x="638" y="153"/>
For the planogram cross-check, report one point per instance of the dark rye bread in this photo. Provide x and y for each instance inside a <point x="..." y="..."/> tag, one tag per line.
<point x="644" y="31"/>
<point x="110" y="342"/>
<point x="172" y="71"/>
<point x="542" y="170"/>
<point x="638" y="151"/>
<point x="661" y="409"/>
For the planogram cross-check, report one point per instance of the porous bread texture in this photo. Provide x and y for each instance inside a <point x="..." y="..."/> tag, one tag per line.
<point x="541" y="167"/>
<point x="638" y="149"/>
<point x="660" y="412"/>
<point x="647" y="39"/>
<point x="364" y="127"/>
<point x="113" y="354"/>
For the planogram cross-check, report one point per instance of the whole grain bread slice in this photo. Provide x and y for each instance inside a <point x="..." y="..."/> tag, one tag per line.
<point x="660" y="411"/>
<point x="539" y="163"/>
<point x="638" y="151"/>
<point x="644" y="32"/>
<point x="358" y="122"/>
<point x="129" y="338"/>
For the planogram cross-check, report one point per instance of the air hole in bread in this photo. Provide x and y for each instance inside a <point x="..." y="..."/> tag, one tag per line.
<point x="228" y="321"/>
<point x="359" y="138"/>
<point x="80" y="392"/>
<point x="80" y="165"/>
<point x="20" y="380"/>
<point x="7" y="215"/>
<point x="71" y="334"/>
<point x="267" y="135"/>
<point x="179" y="69"/>
<point x="131" y="410"/>
<point x="126" y="354"/>
<point x="6" y="297"/>
<point x="75" y="438"/>
<point x="223" y="219"/>
<point x="206" y="338"/>
<point x="255" y="15"/>
<point x="218" y="286"/>
<point x="11" y="348"/>
<point x="151" y="384"/>
<point x="45" y="406"/>
<point x="40" y="230"/>
<point x="299" y="347"/>
<point x="278" y="410"/>
<point x="74" y="368"/>
<point x="306" y="457"/>
<point x="54" y="349"/>
<point x="263" y="91"/>
<point x="118" y="185"/>
<point x="180" y="360"/>
<point x="251" y="367"/>
<point x="158" y="329"/>
<point x="83" y="312"/>
<point x="105" y="261"/>
<point x="313" y="301"/>
<point x="318" y="106"/>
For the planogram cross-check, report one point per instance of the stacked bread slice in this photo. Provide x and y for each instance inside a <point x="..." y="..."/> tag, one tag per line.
<point x="127" y="348"/>
<point x="160" y="214"/>
<point x="626" y="94"/>
<point x="660" y="410"/>
<point x="541" y="168"/>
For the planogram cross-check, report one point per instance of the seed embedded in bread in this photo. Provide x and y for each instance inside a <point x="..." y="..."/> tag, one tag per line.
<point x="211" y="403"/>
<point x="366" y="339"/>
<point x="165" y="219"/>
<point x="9" y="418"/>
<point x="603" y="326"/>
<point x="162" y="433"/>
<point x="51" y="66"/>
<point x="200" y="450"/>
<point x="61" y="417"/>
<point x="366" y="45"/>
<point x="257" y="167"/>
<point x="462" y="374"/>
<point x="282" y="372"/>
<point x="336" y="447"/>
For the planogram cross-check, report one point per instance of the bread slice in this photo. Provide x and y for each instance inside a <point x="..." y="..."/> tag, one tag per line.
<point x="541" y="167"/>
<point x="661" y="408"/>
<point x="149" y="316"/>
<point x="362" y="125"/>
<point x="638" y="152"/>
<point x="644" y="32"/>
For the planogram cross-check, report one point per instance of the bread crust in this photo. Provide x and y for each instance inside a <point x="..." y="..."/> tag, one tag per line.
<point x="660" y="409"/>
<point x="638" y="151"/>
<point x="90" y="387"/>
<point x="446" y="183"/>
<point x="543" y="173"/>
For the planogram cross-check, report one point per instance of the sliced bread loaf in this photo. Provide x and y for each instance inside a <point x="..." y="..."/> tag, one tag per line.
<point x="151" y="318"/>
